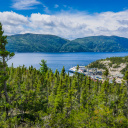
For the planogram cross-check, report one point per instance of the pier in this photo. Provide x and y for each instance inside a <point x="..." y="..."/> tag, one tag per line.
<point x="94" y="73"/>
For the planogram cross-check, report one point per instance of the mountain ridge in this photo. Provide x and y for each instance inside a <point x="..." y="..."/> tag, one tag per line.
<point x="51" y="43"/>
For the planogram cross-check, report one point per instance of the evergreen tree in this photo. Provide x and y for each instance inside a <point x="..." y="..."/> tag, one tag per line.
<point x="126" y="78"/>
<point x="63" y="72"/>
<point x="44" y="67"/>
<point x="5" y="56"/>
<point x="106" y="72"/>
<point x="53" y="100"/>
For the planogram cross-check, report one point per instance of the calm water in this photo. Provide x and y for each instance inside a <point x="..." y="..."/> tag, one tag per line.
<point x="58" y="60"/>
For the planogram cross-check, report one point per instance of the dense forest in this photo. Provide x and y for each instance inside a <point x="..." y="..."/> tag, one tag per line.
<point x="34" y="43"/>
<point x="31" y="98"/>
<point x="52" y="100"/>
<point x="50" y="43"/>
<point x="103" y="43"/>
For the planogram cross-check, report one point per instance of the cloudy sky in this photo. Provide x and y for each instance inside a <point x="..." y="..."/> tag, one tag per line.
<point x="66" y="18"/>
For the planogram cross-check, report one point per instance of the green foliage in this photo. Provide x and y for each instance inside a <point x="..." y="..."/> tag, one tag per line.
<point x="124" y="69"/>
<point x="43" y="68"/>
<point x="106" y="72"/>
<point x="103" y="43"/>
<point x="118" y="60"/>
<point x="35" y="43"/>
<point x="51" y="43"/>
<point x="59" y="100"/>
<point x="97" y="64"/>
<point x="113" y="60"/>
<point x="72" y="47"/>
<point x="41" y="98"/>
<point x="126" y="75"/>
<point x="4" y="57"/>
<point x="63" y="72"/>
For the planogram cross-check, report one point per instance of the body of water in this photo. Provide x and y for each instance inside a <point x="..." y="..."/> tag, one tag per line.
<point x="58" y="60"/>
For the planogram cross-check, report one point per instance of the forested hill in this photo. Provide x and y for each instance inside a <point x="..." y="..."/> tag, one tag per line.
<point x="35" y="43"/>
<point x="103" y="43"/>
<point x="115" y="65"/>
<point x="51" y="43"/>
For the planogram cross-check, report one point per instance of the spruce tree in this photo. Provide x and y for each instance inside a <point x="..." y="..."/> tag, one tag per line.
<point x="43" y="68"/>
<point x="4" y="57"/>
<point x="106" y="73"/>
<point x="126" y="78"/>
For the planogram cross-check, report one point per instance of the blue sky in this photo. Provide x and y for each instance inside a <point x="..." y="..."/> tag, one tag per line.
<point x="66" y="18"/>
<point x="55" y="6"/>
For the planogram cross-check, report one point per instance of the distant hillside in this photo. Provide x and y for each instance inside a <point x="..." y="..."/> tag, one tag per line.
<point x="103" y="43"/>
<point x="115" y="65"/>
<point x="35" y="43"/>
<point x="51" y="43"/>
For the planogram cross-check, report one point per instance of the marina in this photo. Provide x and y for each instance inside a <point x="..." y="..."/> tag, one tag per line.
<point x="94" y="73"/>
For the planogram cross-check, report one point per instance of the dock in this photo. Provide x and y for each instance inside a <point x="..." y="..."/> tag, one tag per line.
<point x="94" y="73"/>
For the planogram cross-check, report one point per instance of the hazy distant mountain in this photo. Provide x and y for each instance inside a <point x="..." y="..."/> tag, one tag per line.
<point x="51" y="43"/>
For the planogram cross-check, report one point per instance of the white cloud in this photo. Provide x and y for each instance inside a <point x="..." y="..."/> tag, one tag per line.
<point x="56" y="6"/>
<point x="25" y="4"/>
<point x="13" y="23"/>
<point x="46" y="9"/>
<point x="66" y="24"/>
